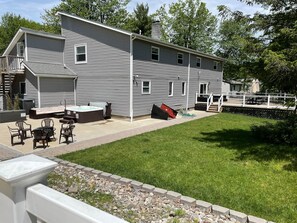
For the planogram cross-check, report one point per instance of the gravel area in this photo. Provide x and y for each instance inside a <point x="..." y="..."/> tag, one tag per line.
<point x="125" y="201"/>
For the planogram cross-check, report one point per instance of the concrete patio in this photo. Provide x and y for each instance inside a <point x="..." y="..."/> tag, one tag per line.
<point x="87" y="134"/>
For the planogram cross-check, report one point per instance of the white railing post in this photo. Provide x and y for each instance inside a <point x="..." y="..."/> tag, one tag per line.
<point x="209" y="101"/>
<point x="268" y="101"/>
<point x="220" y="103"/>
<point x="15" y="176"/>
<point x="243" y="100"/>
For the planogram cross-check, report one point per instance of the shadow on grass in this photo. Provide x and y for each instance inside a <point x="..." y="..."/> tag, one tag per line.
<point x="248" y="146"/>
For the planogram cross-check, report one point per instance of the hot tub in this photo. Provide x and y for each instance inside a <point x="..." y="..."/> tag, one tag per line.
<point x="83" y="114"/>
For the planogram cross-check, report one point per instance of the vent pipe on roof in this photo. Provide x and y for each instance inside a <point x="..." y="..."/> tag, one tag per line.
<point x="156" y="30"/>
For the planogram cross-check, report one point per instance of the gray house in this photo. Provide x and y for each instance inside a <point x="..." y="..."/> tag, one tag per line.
<point x="90" y="61"/>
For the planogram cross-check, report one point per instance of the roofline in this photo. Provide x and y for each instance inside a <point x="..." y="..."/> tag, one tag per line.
<point x="41" y="33"/>
<point x="180" y="48"/>
<point x="49" y="75"/>
<point x="24" y="30"/>
<point x="95" y="23"/>
<point x="144" y="38"/>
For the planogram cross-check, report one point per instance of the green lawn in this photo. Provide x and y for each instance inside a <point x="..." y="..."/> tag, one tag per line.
<point x="215" y="159"/>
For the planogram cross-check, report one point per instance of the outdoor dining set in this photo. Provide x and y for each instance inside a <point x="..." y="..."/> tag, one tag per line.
<point x="43" y="134"/>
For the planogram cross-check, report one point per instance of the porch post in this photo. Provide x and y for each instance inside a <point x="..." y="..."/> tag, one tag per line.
<point x="3" y="92"/>
<point x="38" y="91"/>
<point x="10" y="86"/>
<point x="16" y="175"/>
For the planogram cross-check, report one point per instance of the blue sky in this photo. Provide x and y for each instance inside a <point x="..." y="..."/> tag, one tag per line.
<point x="32" y="9"/>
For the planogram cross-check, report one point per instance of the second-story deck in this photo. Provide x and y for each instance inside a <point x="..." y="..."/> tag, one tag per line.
<point x="11" y="64"/>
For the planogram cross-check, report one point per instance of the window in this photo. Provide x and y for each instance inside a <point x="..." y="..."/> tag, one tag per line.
<point x="20" y="49"/>
<point x="146" y="87"/>
<point x="180" y="58"/>
<point x="155" y="53"/>
<point x="170" y="89"/>
<point x="80" y="53"/>
<point x="184" y="88"/>
<point x="215" y="65"/>
<point x="198" y="62"/>
<point x="23" y="89"/>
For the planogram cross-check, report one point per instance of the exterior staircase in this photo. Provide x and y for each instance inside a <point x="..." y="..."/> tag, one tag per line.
<point x="4" y="81"/>
<point x="214" y="108"/>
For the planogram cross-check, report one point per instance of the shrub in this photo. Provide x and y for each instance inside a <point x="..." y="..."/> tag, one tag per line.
<point x="8" y="102"/>
<point x="281" y="132"/>
<point x="16" y="103"/>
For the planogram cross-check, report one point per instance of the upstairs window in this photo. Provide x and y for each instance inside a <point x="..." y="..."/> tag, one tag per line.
<point x="80" y="53"/>
<point x="22" y="89"/>
<point x="20" y="49"/>
<point x="170" y="89"/>
<point x="215" y="65"/>
<point x="146" y="87"/>
<point x="180" y="58"/>
<point x="198" y="62"/>
<point x="155" y="53"/>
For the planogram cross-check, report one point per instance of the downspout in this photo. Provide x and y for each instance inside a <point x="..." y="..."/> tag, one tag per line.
<point x="131" y="77"/>
<point x="188" y="84"/>
<point x="38" y="92"/>
<point x="26" y="47"/>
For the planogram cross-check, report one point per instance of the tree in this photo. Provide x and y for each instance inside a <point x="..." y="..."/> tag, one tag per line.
<point x="188" y="23"/>
<point x="10" y="24"/>
<point x="237" y="44"/>
<point x="141" y="21"/>
<point x="278" y="60"/>
<point x="110" y="12"/>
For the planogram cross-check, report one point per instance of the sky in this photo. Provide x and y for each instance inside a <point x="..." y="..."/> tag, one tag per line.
<point x="33" y="9"/>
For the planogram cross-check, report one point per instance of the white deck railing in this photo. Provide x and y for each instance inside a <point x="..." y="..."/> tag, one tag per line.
<point x="11" y="63"/>
<point x="220" y="102"/>
<point x="209" y="101"/>
<point x="268" y="101"/>
<point x="43" y="201"/>
<point x="258" y="100"/>
<point x="24" y="200"/>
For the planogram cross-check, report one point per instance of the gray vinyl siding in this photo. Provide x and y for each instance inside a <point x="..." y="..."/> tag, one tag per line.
<point x="105" y="76"/>
<point x="55" y="90"/>
<point x="43" y="49"/>
<point x="161" y="72"/>
<point x="31" y="87"/>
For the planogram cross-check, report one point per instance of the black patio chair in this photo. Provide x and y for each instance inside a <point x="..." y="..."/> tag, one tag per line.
<point x="24" y="127"/>
<point x="15" y="132"/>
<point x="67" y="131"/>
<point x="49" y="124"/>
<point x="40" y="136"/>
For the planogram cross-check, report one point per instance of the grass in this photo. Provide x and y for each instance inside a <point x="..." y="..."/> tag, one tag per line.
<point x="215" y="159"/>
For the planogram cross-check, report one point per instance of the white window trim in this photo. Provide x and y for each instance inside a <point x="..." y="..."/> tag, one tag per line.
<point x="216" y="64"/>
<point x="18" y="49"/>
<point x="75" y="53"/>
<point x="170" y="95"/>
<point x="181" y="58"/>
<point x="203" y="83"/>
<point x="152" y="53"/>
<point x="150" y="87"/>
<point x="185" y="88"/>
<point x="23" y="82"/>
<point x="197" y="60"/>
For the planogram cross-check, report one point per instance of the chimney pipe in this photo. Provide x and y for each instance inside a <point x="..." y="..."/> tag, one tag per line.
<point x="156" y="30"/>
